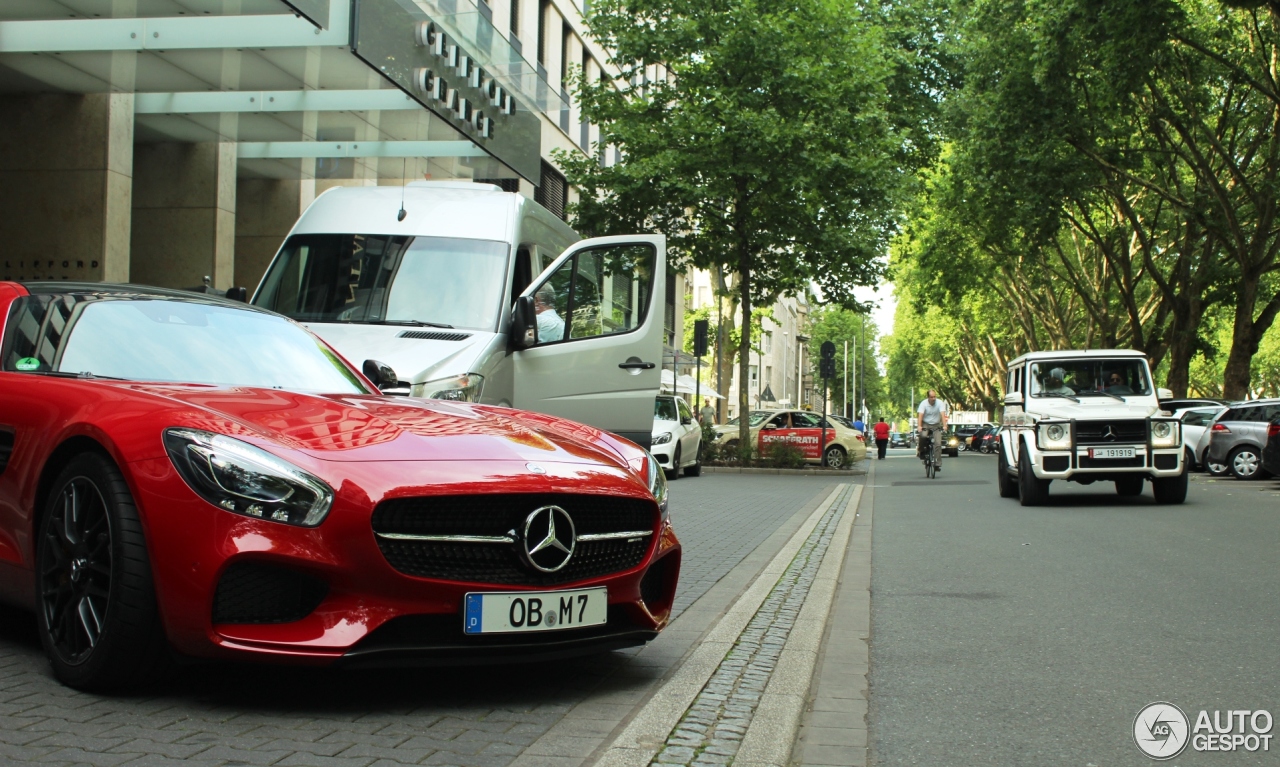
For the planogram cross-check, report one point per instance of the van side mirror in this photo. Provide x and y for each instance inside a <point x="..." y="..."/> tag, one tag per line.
<point x="524" y="323"/>
<point x="1013" y="398"/>
<point x="381" y="374"/>
<point x="238" y="294"/>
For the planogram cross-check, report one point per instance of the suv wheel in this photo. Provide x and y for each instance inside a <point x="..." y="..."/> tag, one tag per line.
<point x="1170" y="489"/>
<point x="1007" y="484"/>
<point x="1032" y="491"/>
<point x="1129" y="486"/>
<point x="1245" y="463"/>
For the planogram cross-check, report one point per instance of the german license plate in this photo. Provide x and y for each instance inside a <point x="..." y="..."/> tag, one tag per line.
<point x="524" y="611"/>
<point x="1112" y="452"/>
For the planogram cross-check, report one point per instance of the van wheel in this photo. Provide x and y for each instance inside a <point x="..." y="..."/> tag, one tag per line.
<point x="1032" y="491"/>
<point x="1170" y="489"/>
<point x="1007" y="484"/>
<point x="1129" y="486"/>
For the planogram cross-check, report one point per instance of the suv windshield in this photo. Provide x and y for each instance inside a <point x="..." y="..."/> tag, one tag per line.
<point x="369" y="278"/>
<point x="144" y="338"/>
<point x="1089" y="377"/>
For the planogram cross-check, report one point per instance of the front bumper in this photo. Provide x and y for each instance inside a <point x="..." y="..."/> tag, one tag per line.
<point x="1076" y="464"/>
<point x="366" y="611"/>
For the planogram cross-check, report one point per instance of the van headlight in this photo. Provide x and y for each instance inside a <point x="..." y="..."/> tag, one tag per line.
<point x="243" y="479"/>
<point x="1054" y="436"/>
<point x="1164" y="434"/>
<point x="463" y="388"/>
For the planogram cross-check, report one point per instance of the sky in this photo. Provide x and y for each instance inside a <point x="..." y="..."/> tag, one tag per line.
<point x="885" y="305"/>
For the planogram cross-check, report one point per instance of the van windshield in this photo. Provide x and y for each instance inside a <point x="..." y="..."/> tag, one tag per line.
<point x="382" y="279"/>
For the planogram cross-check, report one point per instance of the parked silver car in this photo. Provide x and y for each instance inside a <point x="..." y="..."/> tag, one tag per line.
<point x="1237" y="437"/>
<point x="1196" y="421"/>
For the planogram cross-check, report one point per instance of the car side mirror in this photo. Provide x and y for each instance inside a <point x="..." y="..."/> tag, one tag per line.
<point x="381" y="374"/>
<point x="1013" y="398"/>
<point x="686" y="420"/>
<point x="524" y="323"/>
<point x="238" y="294"/>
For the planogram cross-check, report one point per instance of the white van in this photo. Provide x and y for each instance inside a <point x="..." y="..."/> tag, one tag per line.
<point x="479" y="295"/>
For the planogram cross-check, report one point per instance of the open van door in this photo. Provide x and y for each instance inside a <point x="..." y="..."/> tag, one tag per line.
<point x="597" y="357"/>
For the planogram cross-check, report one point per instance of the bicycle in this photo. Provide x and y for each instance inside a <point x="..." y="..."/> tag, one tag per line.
<point x="932" y="449"/>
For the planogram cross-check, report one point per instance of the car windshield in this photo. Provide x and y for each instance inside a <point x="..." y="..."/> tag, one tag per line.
<point x="1089" y="377"/>
<point x="382" y="279"/>
<point x="141" y="338"/>
<point x="755" y="418"/>
<point x="665" y="409"/>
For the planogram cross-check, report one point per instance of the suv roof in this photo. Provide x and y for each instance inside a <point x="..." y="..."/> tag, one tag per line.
<point x="1077" y="353"/>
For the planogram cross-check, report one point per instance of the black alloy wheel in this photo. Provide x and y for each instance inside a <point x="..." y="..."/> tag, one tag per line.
<point x="97" y="614"/>
<point x="675" y="466"/>
<point x="1129" y="486"/>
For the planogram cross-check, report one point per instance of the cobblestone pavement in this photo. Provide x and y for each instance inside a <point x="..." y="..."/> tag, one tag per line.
<point x="712" y="729"/>
<point x="219" y="715"/>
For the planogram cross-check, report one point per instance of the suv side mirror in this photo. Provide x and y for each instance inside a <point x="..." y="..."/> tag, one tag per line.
<point x="524" y="323"/>
<point x="381" y="374"/>
<point x="1013" y="398"/>
<point x="238" y="294"/>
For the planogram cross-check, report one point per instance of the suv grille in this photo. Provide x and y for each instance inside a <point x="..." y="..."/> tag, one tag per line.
<point x="1096" y="432"/>
<point x="496" y="515"/>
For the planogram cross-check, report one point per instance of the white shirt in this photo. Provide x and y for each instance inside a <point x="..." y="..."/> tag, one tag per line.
<point x="933" y="413"/>
<point x="550" y="327"/>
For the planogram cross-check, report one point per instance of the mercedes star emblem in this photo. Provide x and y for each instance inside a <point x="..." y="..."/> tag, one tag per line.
<point x="1109" y="434"/>
<point x="549" y="538"/>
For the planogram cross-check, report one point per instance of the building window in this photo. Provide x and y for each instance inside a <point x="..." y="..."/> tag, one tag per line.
<point x="515" y="18"/>
<point x="553" y="192"/>
<point x="543" y="6"/>
<point x="566" y="47"/>
<point x="766" y="342"/>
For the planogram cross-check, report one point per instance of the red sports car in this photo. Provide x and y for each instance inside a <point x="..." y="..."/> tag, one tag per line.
<point x="187" y="473"/>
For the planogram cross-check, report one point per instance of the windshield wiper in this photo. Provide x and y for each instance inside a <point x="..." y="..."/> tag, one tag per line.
<point x="405" y="323"/>
<point x="1108" y="394"/>
<point x="1057" y="394"/>
<point x="84" y="374"/>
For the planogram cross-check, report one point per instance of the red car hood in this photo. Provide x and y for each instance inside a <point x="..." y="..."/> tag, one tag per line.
<point x="374" y="428"/>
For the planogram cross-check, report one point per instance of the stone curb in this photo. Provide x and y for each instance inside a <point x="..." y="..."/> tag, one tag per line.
<point x="789" y="472"/>
<point x="772" y="732"/>
<point x="647" y="733"/>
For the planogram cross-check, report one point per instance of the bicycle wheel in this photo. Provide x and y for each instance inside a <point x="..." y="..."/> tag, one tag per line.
<point x="928" y="469"/>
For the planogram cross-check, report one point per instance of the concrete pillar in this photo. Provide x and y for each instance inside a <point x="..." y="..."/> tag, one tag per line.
<point x="184" y="214"/>
<point x="266" y="209"/>
<point x="66" y="166"/>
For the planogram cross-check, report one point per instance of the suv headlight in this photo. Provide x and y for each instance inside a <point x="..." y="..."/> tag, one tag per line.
<point x="1164" y="434"/>
<point x="657" y="482"/>
<point x="463" y="388"/>
<point x="1054" y="436"/>
<point x="243" y="479"/>
<point x="662" y="439"/>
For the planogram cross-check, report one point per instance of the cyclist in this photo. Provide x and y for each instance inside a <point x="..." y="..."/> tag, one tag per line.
<point x="932" y="419"/>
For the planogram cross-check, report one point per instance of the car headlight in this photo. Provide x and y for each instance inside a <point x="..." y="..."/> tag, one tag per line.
<point x="1054" y="436"/>
<point x="243" y="479"/>
<point x="463" y="388"/>
<point x="1164" y="434"/>
<point x="657" y="483"/>
<point x="662" y="439"/>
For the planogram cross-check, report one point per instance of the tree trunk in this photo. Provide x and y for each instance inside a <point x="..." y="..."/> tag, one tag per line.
<point x="1244" y="343"/>
<point x="1181" y="347"/>
<point x="744" y="350"/>
<point x="722" y="342"/>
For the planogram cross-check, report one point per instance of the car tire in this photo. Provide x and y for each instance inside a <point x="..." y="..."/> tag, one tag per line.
<point x="1245" y="463"/>
<point x="97" y="571"/>
<point x="1127" y="487"/>
<point x="693" y="471"/>
<point x="1032" y="491"/>
<point x="1008" y="485"/>
<point x="1189" y="459"/>
<point x="1171" y="489"/>
<point x="674" y="474"/>
<point x="834" y="457"/>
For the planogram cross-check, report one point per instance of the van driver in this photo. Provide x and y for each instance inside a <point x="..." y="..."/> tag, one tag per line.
<point x="550" y="324"/>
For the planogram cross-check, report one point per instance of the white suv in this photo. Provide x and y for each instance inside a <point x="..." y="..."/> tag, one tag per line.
<point x="1087" y="416"/>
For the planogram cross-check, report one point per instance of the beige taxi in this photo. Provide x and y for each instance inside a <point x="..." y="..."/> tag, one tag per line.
<point x="803" y="429"/>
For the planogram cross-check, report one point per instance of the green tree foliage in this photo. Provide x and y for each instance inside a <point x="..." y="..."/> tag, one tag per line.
<point x="775" y="147"/>
<point x="839" y="325"/>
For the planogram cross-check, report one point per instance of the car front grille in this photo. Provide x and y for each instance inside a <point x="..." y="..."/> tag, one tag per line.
<point x="496" y="516"/>
<point x="1111" y="432"/>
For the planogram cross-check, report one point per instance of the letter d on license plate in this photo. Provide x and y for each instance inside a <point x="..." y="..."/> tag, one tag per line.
<point x="521" y="611"/>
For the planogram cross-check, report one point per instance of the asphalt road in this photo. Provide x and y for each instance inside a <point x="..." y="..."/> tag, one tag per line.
<point x="1033" y="636"/>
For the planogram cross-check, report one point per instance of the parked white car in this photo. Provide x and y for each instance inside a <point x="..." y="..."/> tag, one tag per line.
<point x="1087" y="416"/>
<point x="677" y="438"/>
<point x="1196" y="418"/>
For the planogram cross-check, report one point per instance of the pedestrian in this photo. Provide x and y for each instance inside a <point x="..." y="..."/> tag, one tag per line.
<point x="882" y="438"/>
<point x="859" y="425"/>
<point x="708" y="413"/>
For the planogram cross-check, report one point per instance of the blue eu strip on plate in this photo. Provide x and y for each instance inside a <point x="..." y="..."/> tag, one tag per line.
<point x="473" y="620"/>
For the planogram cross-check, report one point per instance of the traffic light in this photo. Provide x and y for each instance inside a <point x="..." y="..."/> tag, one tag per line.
<point x="700" y="338"/>
<point x="827" y="366"/>
<point x="828" y="351"/>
